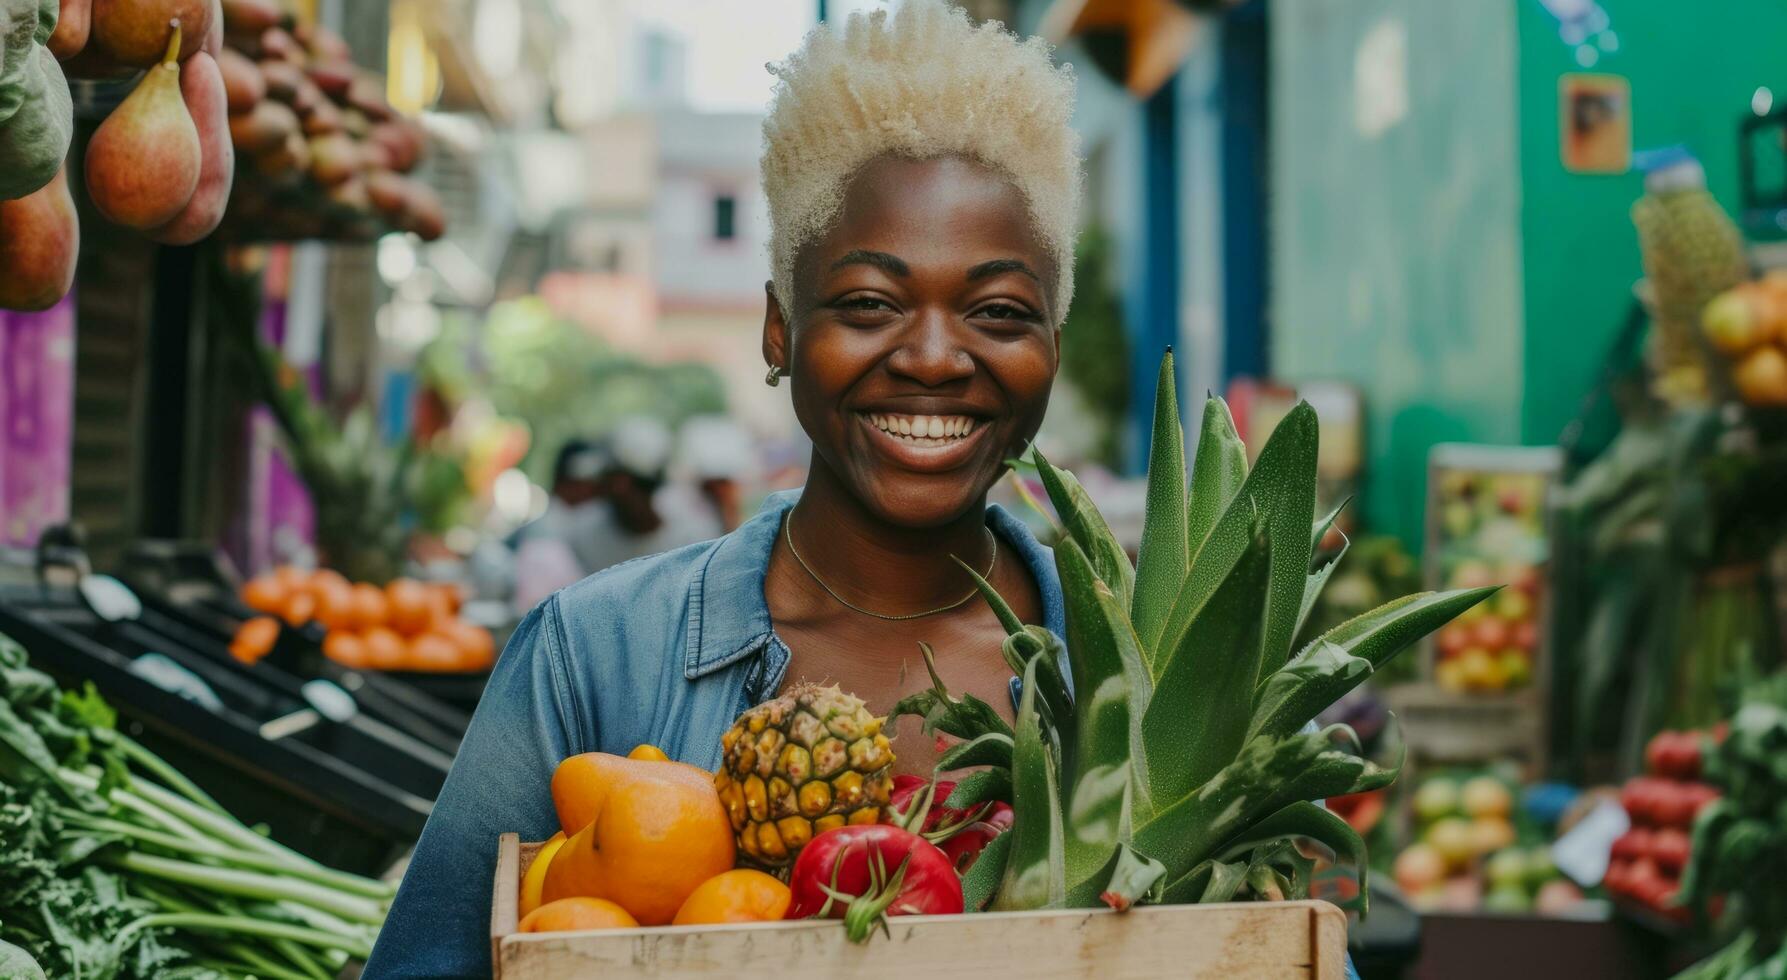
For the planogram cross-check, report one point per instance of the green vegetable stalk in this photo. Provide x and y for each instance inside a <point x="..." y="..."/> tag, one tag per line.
<point x="36" y="113"/>
<point x="114" y="865"/>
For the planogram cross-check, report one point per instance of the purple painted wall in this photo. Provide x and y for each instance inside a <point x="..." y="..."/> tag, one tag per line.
<point x="36" y="420"/>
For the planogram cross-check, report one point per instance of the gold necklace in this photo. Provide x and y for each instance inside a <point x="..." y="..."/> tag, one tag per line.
<point x="788" y="535"/>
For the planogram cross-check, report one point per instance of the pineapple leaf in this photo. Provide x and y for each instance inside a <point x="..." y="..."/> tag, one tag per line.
<point x="1113" y="685"/>
<point x="1317" y="580"/>
<point x="1296" y="692"/>
<point x="1282" y="488"/>
<point x="984" y="875"/>
<point x="1268" y="774"/>
<point x="991" y="749"/>
<point x="1035" y="877"/>
<point x="1304" y="819"/>
<point x="1055" y="701"/>
<point x="1327" y="668"/>
<point x="1198" y="717"/>
<point x="1164" y="558"/>
<point x="1226" y="879"/>
<point x="1320" y="530"/>
<point x="1087" y="528"/>
<point x="1126" y="879"/>
<point x="984" y="786"/>
<point x="1002" y="609"/>
<point x="968" y="717"/>
<point x="1216" y="474"/>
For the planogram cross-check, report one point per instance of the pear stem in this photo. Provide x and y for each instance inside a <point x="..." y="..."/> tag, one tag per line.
<point x="173" y="56"/>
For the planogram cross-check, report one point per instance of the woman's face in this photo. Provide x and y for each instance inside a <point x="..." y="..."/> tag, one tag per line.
<point x="920" y="349"/>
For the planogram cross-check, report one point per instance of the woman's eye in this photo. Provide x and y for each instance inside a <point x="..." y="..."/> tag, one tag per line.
<point x="1004" y="311"/>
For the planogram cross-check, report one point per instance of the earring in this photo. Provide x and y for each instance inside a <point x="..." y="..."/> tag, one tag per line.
<point x="774" y="377"/>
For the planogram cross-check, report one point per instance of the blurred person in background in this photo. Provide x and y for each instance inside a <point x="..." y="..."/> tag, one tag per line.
<point x="718" y="456"/>
<point x="552" y="551"/>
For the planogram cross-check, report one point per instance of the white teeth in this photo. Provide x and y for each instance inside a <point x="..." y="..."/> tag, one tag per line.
<point x="928" y="430"/>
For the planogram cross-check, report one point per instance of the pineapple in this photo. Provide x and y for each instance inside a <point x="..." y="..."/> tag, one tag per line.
<point x="1177" y="767"/>
<point x="799" y="765"/>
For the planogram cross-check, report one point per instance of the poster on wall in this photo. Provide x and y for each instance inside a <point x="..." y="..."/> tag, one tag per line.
<point x="1595" y="123"/>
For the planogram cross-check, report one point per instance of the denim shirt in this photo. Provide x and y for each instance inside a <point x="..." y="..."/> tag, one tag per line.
<point x="666" y="651"/>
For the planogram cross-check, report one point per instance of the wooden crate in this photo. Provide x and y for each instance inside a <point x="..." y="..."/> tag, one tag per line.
<point x="1232" y="942"/>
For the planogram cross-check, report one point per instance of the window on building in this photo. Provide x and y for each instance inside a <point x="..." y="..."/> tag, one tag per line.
<point x="725" y="217"/>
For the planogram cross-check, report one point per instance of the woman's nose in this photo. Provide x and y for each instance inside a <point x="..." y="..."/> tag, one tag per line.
<point x="931" y="351"/>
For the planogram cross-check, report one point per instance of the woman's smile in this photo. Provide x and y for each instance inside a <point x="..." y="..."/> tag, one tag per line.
<point x="926" y="443"/>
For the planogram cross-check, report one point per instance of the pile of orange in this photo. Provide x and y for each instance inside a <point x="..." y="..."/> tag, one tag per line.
<point x="407" y="625"/>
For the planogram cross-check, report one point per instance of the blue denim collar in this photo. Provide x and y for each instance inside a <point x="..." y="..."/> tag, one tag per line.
<point x="729" y="616"/>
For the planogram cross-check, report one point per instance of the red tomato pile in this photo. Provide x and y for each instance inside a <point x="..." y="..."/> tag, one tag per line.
<point x="1648" y="860"/>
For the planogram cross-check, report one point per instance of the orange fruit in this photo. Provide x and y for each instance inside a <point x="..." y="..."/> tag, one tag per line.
<point x="740" y="895"/>
<point x="334" y="603"/>
<point x="345" y="648"/>
<point x="440" y="609"/>
<point x="641" y="834"/>
<point x="385" y="650"/>
<point x="291" y="578"/>
<point x="410" y="612"/>
<point x="328" y="578"/>
<point x="570" y="914"/>
<point x="264" y="594"/>
<point x="300" y="608"/>
<point x="434" y="653"/>
<point x="449" y="592"/>
<point x="477" y="651"/>
<point x="535" y="879"/>
<point x="1761" y="378"/>
<point x="648" y="753"/>
<point x="254" y="639"/>
<point x="370" y="606"/>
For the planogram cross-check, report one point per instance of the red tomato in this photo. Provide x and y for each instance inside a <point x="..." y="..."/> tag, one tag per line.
<point x="1646" y="883"/>
<point x="1670" y="850"/>
<point x="908" y="791"/>
<point x="965" y="845"/>
<point x="884" y="870"/>
<point x="1654" y="750"/>
<point x="1618" y="878"/>
<point x="1673" y="805"/>
<point x="1632" y="845"/>
<point x="1636" y="797"/>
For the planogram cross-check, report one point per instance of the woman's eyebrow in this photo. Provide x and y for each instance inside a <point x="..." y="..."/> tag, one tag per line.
<point x="996" y="267"/>
<point x="889" y="264"/>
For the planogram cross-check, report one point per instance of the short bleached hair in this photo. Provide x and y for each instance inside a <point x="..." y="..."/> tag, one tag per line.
<point x="921" y="82"/>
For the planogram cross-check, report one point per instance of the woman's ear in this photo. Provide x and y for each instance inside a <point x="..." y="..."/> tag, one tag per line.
<point x="775" y="330"/>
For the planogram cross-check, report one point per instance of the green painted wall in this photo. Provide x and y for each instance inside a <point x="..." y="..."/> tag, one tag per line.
<point x="1693" y="69"/>
<point x="1396" y="255"/>
<point x="1448" y="265"/>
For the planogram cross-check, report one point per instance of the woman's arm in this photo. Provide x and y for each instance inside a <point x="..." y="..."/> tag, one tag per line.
<point x="440" y="923"/>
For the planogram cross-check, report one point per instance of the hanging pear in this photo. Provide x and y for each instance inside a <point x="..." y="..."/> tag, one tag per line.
<point x="40" y="239"/>
<point x="143" y="163"/>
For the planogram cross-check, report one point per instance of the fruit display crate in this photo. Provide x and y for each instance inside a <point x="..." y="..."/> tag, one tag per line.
<point x="1233" y="942"/>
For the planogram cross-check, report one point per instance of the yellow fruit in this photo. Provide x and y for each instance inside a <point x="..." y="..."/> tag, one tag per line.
<point x="1418" y="868"/>
<point x="1490" y="834"/>
<point x="1761" y="377"/>
<point x="1740" y="319"/>
<point x="535" y="880"/>
<point x="1453" y="840"/>
<point x="1486" y="796"/>
<point x="1449" y="675"/>
<point x="1479" y="670"/>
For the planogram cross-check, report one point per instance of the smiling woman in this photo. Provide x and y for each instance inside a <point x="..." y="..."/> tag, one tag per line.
<point x="923" y="187"/>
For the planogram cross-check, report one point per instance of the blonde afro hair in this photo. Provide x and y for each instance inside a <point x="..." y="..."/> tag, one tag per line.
<point x="922" y="82"/>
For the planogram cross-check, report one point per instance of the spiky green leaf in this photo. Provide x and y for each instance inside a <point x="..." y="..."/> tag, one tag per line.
<point x="1335" y="662"/>
<point x="1318" y="578"/>
<point x="1164" y="558"/>
<point x="1216" y="474"/>
<point x="966" y="717"/>
<point x="1281" y="488"/>
<point x="1304" y="819"/>
<point x="1002" y="609"/>
<point x="1035" y="876"/>
<point x="1111" y="680"/>
<point x="991" y="749"/>
<point x="1197" y="719"/>
<point x="984" y="875"/>
<point x="984" y="786"/>
<point x="1126" y="879"/>
<point x="1087" y="527"/>
<point x="1267" y="775"/>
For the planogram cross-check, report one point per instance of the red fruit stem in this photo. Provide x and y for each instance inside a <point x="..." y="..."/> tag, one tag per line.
<point x="172" y="58"/>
